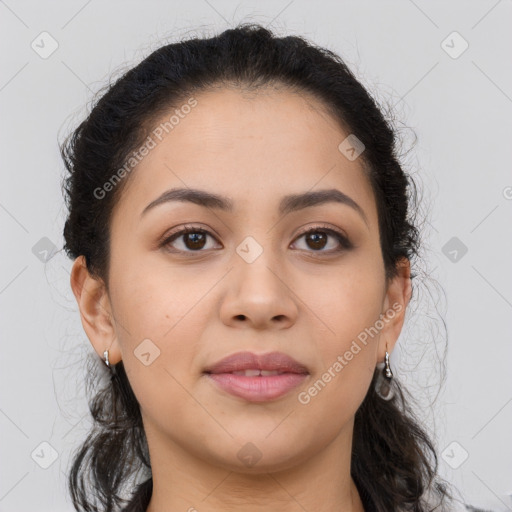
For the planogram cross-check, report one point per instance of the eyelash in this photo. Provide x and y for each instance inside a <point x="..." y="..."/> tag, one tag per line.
<point x="345" y="243"/>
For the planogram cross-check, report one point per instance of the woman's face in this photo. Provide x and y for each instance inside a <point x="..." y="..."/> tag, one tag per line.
<point x="249" y="279"/>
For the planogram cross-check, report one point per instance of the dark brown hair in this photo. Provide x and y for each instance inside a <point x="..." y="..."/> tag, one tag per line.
<point x="393" y="458"/>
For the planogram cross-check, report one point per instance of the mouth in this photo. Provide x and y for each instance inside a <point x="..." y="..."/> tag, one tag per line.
<point x="257" y="378"/>
<point x="249" y="361"/>
<point x="258" y="373"/>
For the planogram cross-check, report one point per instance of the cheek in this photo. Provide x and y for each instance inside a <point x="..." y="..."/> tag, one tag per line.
<point x="347" y="347"/>
<point x="160" y="347"/>
<point x="346" y="308"/>
<point x="159" y="338"/>
<point x="156" y="303"/>
<point x="345" y="302"/>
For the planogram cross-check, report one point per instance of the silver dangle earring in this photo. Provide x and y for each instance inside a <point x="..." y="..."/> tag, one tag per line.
<point x="105" y="355"/>
<point x="388" y="373"/>
<point x="383" y="385"/>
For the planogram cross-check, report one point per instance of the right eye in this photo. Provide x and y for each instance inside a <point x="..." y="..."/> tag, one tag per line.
<point x="194" y="239"/>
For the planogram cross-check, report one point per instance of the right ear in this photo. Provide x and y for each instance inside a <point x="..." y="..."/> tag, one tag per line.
<point x="95" y="310"/>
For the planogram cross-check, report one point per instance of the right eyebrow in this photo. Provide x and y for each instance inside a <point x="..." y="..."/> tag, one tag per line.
<point x="196" y="196"/>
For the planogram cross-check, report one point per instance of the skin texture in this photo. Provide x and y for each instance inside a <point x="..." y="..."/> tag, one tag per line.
<point x="200" y="307"/>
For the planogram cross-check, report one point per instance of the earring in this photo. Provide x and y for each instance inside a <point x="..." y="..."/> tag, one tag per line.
<point x="105" y="355"/>
<point x="383" y="385"/>
<point x="387" y="372"/>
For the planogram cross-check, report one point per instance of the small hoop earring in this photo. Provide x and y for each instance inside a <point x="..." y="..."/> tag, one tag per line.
<point x="105" y="355"/>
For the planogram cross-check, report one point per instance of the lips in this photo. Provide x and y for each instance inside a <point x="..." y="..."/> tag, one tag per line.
<point x="257" y="378"/>
<point x="241" y="362"/>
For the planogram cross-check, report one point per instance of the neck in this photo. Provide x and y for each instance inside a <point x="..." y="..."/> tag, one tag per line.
<point x="320" y="482"/>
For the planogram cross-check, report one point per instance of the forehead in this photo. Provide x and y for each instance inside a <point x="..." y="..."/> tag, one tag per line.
<point x="253" y="147"/>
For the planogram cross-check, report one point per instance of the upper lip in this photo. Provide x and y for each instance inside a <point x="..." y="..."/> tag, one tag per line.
<point x="248" y="360"/>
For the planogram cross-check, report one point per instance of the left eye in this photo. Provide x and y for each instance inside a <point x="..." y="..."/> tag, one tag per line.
<point x="317" y="239"/>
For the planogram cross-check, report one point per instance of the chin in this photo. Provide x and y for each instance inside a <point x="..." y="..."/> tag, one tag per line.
<point x="255" y="454"/>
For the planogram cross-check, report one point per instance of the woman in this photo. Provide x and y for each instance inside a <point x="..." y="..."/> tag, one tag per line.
<point x="243" y="238"/>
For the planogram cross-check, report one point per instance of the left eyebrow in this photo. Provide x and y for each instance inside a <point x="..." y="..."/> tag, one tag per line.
<point x="296" y="202"/>
<point x="288" y="204"/>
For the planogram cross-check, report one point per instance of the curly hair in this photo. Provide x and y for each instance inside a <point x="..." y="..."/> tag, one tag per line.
<point x="393" y="459"/>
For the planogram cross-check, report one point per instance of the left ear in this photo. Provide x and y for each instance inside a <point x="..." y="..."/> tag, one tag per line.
<point x="396" y="300"/>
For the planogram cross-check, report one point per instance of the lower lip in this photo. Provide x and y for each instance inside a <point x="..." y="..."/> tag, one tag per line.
<point x="258" y="389"/>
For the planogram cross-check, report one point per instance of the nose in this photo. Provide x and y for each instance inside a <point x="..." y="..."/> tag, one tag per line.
<point x="259" y="296"/>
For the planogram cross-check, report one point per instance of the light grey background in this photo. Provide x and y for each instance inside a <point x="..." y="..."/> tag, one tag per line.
<point x="460" y="109"/>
